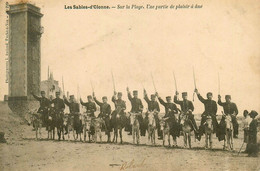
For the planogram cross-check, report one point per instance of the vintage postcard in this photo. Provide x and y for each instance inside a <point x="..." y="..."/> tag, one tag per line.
<point x="129" y="85"/>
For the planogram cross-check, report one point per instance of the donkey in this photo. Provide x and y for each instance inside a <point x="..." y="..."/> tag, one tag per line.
<point x="118" y="124"/>
<point x="186" y="129"/>
<point x="165" y="127"/>
<point x="98" y="123"/>
<point x="151" y="127"/>
<point x="208" y="127"/>
<point x="68" y="124"/>
<point x="36" y="120"/>
<point x="135" y="127"/>
<point x="87" y="125"/>
<point x="228" y="132"/>
<point x="58" y="120"/>
<point x="50" y="123"/>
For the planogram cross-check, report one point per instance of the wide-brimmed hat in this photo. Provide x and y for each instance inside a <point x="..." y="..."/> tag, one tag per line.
<point x="253" y="114"/>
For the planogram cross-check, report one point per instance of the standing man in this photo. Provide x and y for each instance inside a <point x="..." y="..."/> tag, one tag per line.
<point x="44" y="106"/>
<point x="105" y="111"/>
<point x="90" y="106"/>
<point x="187" y="108"/>
<point x="170" y="111"/>
<point x="137" y="107"/>
<point x="210" y="109"/>
<point x="230" y="108"/>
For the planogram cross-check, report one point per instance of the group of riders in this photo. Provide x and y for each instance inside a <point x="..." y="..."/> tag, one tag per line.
<point x="172" y="112"/>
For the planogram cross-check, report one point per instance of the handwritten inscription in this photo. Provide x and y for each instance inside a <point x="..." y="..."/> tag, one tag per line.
<point x="132" y="165"/>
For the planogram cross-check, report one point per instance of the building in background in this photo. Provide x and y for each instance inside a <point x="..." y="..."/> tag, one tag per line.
<point x="25" y="32"/>
<point x="50" y="86"/>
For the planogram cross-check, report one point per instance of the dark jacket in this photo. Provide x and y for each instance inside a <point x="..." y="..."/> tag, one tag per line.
<point x="185" y="104"/>
<point x="90" y="107"/>
<point x="229" y="108"/>
<point x="74" y="107"/>
<point x="137" y="105"/>
<point x="209" y="105"/>
<point x="59" y="105"/>
<point x="152" y="105"/>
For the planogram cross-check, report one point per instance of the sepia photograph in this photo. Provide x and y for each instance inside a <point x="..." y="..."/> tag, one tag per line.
<point x="130" y="85"/>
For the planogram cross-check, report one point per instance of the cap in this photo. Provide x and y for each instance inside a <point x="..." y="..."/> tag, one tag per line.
<point x="152" y="95"/>
<point x="209" y="94"/>
<point x="57" y="93"/>
<point x="228" y="96"/>
<point x="135" y="92"/>
<point x="42" y="92"/>
<point x="104" y="97"/>
<point x="168" y="97"/>
<point x="71" y="96"/>
<point x="89" y="97"/>
<point x="119" y="93"/>
<point x="184" y="94"/>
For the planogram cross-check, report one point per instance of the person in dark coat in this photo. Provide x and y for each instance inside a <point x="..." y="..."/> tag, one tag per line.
<point x="170" y="111"/>
<point x="120" y="107"/>
<point x="187" y="108"/>
<point x="90" y="110"/>
<point x="137" y="107"/>
<point x="105" y="112"/>
<point x="210" y="110"/>
<point x="153" y="106"/>
<point x="44" y="106"/>
<point x="230" y="108"/>
<point x="74" y="111"/>
<point x="252" y="135"/>
<point x="246" y="121"/>
<point x="59" y="105"/>
<point x="90" y="106"/>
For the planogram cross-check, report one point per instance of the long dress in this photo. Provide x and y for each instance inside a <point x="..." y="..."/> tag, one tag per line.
<point x="252" y="138"/>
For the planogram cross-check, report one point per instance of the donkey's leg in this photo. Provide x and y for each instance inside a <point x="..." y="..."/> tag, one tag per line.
<point x="138" y="135"/>
<point x="120" y="133"/>
<point x="210" y="140"/>
<point x="163" y="138"/>
<point x="100" y="135"/>
<point x="169" y="139"/>
<point x="189" y="139"/>
<point x="133" y="134"/>
<point x="114" y="135"/>
<point x="206" y="140"/>
<point x="36" y="133"/>
<point x="154" y="136"/>
<point x="174" y="141"/>
<point x="185" y="139"/>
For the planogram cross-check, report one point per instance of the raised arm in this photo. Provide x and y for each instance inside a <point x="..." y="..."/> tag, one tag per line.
<point x="219" y="101"/>
<point x="97" y="102"/>
<point x="176" y="100"/>
<point x="82" y="103"/>
<point x="201" y="98"/>
<point x="66" y="102"/>
<point x="129" y="94"/>
<point x="157" y="107"/>
<point x="191" y="106"/>
<point x="161" y="101"/>
<point x="36" y="97"/>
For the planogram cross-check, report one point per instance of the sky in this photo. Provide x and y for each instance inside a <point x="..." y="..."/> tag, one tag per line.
<point x="222" y="38"/>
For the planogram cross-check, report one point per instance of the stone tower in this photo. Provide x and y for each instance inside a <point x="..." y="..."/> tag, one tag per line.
<point x="24" y="55"/>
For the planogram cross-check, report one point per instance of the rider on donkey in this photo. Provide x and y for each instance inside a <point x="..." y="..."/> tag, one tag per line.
<point x="230" y="108"/>
<point x="170" y="111"/>
<point x="105" y="111"/>
<point x="120" y="107"/>
<point x="74" y="111"/>
<point x="153" y="106"/>
<point x="187" y="109"/>
<point x="210" y="110"/>
<point x="44" y="106"/>
<point x="137" y="107"/>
